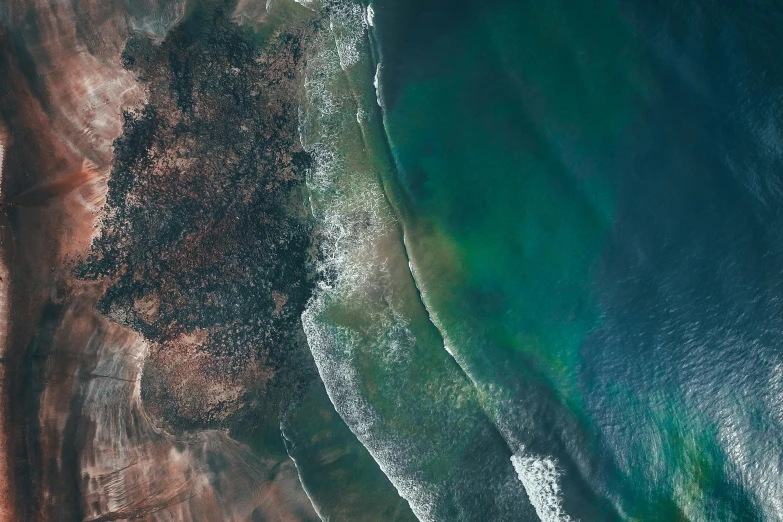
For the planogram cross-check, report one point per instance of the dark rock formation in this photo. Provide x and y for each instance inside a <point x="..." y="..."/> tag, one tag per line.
<point x="76" y="440"/>
<point x="154" y="262"/>
<point x="205" y="237"/>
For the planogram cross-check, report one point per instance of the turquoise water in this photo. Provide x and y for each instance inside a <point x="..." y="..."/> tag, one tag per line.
<point x="552" y="255"/>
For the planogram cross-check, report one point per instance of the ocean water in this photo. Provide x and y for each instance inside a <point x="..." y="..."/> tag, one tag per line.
<point x="552" y="254"/>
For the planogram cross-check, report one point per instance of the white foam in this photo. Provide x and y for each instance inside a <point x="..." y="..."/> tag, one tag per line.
<point x="353" y="215"/>
<point x="332" y="350"/>
<point x="540" y="477"/>
<point x="348" y="25"/>
<point x="370" y="16"/>
<point x="376" y="81"/>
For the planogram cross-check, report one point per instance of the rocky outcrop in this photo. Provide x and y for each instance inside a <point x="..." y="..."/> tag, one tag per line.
<point x="206" y="239"/>
<point x="77" y="441"/>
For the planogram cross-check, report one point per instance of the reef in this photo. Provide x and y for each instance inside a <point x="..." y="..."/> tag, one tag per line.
<point x="205" y="237"/>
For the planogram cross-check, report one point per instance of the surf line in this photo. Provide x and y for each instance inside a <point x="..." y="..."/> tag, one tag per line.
<point x="345" y="61"/>
<point x="538" y="475"/>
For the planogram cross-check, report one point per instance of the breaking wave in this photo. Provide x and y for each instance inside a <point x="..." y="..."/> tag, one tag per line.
<point x="357" y="226"/>
<point x="370" y="16"/>
<point x="349" y="205"/>
<point x="540" y="478"/>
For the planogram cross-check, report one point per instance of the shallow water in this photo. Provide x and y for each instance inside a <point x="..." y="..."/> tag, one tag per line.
<point x="552" y="256"/>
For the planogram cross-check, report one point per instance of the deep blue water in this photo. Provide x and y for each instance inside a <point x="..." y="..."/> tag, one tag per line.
<point x="663" y="120"/>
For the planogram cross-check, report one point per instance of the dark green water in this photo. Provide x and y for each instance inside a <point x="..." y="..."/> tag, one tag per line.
<point x="554" y="255"/>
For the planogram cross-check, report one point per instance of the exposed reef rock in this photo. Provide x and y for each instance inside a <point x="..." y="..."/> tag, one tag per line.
<point x="77" y="441"/>
<point x="155" y="258"/>
<point x="205" y="237"/>
<point x="110" y="461"/>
